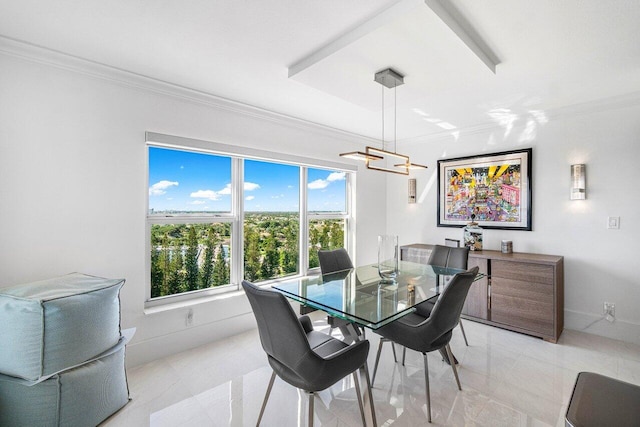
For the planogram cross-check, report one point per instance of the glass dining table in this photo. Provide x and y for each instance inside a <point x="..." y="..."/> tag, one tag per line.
<point x="362" y="297"/>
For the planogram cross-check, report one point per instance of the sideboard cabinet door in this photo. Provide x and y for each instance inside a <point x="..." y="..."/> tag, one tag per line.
<point x="522" y="295"/>
<point x="477" y="302"/>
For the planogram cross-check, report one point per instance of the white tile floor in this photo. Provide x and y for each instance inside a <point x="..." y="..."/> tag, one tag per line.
<point x="508" y="379"/>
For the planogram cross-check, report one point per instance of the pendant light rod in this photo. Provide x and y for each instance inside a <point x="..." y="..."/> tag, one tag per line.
<point x="395" y="119"/>
<point x="400" y="163"/>
<point x="382" y="92"/>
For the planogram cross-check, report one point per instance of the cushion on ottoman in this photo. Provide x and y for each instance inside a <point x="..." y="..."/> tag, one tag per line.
<point x="50" y="325"/>
<point x="82" y="396"/>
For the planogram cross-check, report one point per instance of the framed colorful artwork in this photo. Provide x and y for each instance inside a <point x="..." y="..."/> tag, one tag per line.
<point x="495" y="188"/>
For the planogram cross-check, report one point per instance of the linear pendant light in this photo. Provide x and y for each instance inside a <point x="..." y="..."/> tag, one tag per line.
<point x="373" y="157"/>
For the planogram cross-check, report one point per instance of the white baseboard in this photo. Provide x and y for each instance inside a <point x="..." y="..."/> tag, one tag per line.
<point x="139" y="353"/>
<point x="598" y="325"/>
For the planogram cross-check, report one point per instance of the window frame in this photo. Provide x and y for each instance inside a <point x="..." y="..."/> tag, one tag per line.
<point x="349" y="243"/>
<point x="237" y="215"/>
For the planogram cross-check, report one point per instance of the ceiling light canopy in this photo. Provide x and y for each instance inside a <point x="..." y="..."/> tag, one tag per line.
<point x="381" y="159"/>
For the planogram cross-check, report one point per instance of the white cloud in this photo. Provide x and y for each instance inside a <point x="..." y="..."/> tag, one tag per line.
<point x="249" y="198"/>
<point x="250" y="186"/>
<point x="198" y="202"/>
<point x="226" y="190"/>
<point x="318" y="184"/>
<point x="336" y="176"/>
<point x="215" y="195"/>
<point x="321" y="184"/>
<point x="205" y="194"/>
<point x="160" y="187"/>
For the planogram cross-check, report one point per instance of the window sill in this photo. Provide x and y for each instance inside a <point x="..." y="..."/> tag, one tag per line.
<point x="191" y="302"/>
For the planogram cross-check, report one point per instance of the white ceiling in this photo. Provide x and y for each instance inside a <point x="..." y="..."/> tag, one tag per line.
<point x="553" y="55"/>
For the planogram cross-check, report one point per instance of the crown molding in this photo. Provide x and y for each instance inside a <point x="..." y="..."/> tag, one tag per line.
<point x="53" y="58"/>
<point x="61" y="60"/>
<point x="596" y="106"/>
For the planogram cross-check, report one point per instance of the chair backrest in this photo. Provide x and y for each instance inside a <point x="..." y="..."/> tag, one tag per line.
<point x="281" y="333"/>
<point x="334" y="260"/>
<point x="447" y="309"/>
<point x="445" y="256"/>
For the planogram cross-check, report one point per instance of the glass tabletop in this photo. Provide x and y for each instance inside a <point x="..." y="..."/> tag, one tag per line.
<point x="361" y="296"/>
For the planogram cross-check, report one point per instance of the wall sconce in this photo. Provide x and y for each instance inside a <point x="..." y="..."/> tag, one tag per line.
<point x="412" y="190"/>
<point x="578" y="182"/>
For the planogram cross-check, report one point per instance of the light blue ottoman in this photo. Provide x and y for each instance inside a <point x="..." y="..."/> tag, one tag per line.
<point x="83" y="396"/>
<point x="51" y="325"/>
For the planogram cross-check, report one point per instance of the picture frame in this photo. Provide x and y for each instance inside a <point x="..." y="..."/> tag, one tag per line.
<point x="495" y="187"/>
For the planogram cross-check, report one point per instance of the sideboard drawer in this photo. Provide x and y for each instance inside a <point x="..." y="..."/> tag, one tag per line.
<point x="536" y="273"/>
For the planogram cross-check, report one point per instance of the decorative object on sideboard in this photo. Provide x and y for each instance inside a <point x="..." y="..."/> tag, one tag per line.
<point x="506" y="247"/>
<point x="381" y="159"/>
<point x="473" y="235"/>
<point x="412" y="190"/>
<point x="578" y="182"/>
<point x="452" y="243"/>
<point x="495" y="187"/>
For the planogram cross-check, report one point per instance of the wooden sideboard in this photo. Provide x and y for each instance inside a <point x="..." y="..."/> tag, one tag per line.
<point x="521" y="292"/>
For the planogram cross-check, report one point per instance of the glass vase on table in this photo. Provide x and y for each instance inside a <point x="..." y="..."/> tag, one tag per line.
<point x="388" y="258"/>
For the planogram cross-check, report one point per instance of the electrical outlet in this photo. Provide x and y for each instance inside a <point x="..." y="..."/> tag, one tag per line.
<point x="613" y="222"/>
<point x="189" y="320"/>
<point x="610" y="311"/>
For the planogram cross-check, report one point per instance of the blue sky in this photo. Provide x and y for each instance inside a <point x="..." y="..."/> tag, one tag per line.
<point x="187" y="181"/>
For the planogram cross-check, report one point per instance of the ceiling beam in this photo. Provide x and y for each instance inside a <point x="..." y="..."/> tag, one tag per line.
<point x="450" y="16"/>
<point x="465" y="32"/>
<point x="354" y="33"/>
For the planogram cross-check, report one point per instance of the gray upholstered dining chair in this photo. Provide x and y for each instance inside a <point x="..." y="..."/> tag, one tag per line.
<point x="448" y="257"/>
<point x="334" y="260"/>
<point x="309" y="360"/>
<point x="330" y="262"/>
<point x="426" y="332"/>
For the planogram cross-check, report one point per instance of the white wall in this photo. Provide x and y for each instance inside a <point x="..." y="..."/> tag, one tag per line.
<point x="73" y="191"/>
<point x="73" y="185"/>
<point x="600" y="264"/>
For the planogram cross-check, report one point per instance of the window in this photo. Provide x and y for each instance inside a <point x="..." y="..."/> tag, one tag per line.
<point x="216" y="218"/>
<point x="188" y="183"/>
<point x="327" y="211"/>
<point x="190" y="248"/>
<point x="189" y="257"/>
<point x="271" y="220"/>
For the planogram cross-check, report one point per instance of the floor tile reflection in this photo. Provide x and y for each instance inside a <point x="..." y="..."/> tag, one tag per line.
<point x="508" y="379"/>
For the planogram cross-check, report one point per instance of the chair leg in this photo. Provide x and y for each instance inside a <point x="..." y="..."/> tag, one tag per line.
<point x="463" y="334"/>
<point x="393" y="348"/>
<point x="365" y="368"/>
<point x="453" y="366"/>
<point x="311" y="395"/>
<point x="404" y="354"/>
<point x="426" y="383"/>
<point x="266" y="397"/>
<point x="358" y="392"/>
<point x="375" y="365"/>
